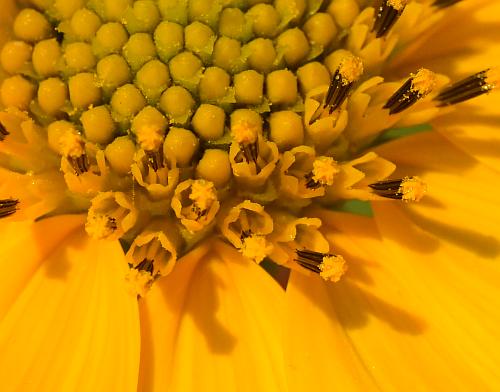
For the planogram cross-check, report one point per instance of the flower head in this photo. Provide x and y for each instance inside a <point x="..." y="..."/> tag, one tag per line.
<point x="167" y="162"/>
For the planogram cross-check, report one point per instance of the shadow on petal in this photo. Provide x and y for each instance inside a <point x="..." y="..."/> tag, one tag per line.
<point x="477" y="243"/>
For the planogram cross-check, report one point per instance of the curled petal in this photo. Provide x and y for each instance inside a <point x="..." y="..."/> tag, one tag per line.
<point x="194" y="217"/>
<point x="111" y="215"/>
<point x="254" y="173"/>
<point x="159" y="184"/>
<point x="245" y="217"/>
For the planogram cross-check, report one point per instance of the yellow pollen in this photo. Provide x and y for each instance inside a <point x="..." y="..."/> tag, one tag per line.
<point x="256" y="248"/>
<point x="423" y="82"/>
<point x="244" y="132"/>
<point x="138" y="282"/>
<point x="72" y="144"/>
<point x="203" y="194"/>
<point x="324" y="170"/>
<point x="351" y="69"/>
<point x="332" y="268"/>
<point x="412" y="189"/>
<point x="100" y="226"/>
<point x="398" y="5"/>
<point x="150" y="137"/>
<point x="493" y="77"/>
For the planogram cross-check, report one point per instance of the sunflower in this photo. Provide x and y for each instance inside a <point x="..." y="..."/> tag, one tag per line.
<point x="249" y="195"/>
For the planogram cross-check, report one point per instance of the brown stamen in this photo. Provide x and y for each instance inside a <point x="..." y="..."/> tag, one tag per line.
<point x="415" y="88"/>
<point x="80" y="164"/>
<point x="8" y="207"/>
<point x="388" y="14"/>
<point x="341" y="84"/>
<point x="407" y="189"/>
<point x="468" y="88"/>
<point x="145" y="265"/>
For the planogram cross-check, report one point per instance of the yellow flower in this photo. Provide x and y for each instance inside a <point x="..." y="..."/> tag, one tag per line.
<point x="154" y="153"/>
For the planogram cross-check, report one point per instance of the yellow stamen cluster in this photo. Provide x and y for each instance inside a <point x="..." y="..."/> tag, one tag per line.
<point x="72" y="145"/>
<point x="412" y="189"/>
<point x="324" y="170"/>
<point x="256" y="248"/>
<point x="203" y="194"/>
<point x="244" y="133"/>
<point x="351" y="69"/>
<point x="100" y="226"/>
<point x="150" y="137"/>
<point x="333" y="268"/>
<point x="398" y="5"/>
<point x="423" y="82"/>
<point x="138" y="282"/>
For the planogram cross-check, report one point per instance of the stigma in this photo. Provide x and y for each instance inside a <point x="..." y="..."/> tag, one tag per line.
<point x="100" y="226"/>
<point x="409" y="189"/>
<point x="330" y="267"/>
<point x="138" y="280"/>
<point x="347" y="74"/>
<point x="195" y="203"/>
<point x="471" y="87"/>
<point x="8" y="207"/>
<point x="255" y="247"/>
<point x="388" y="14"/>
<point x="324" y="171"/>
<point x="72" y="147"/>
<point x="150" y="138"/>
<point x="414" y="89"/>
<point x="246" y="135"/>
<point x="203" y="195"/>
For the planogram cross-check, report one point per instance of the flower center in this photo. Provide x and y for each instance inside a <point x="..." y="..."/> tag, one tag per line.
<point x="170" y="122"/>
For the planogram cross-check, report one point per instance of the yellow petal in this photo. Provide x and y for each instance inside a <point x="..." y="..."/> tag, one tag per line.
<point x="414" y="313"/>
<point x="74" y="327"/>
<point x="319" y="355"/>
<point x="23" y="247"/>
<point x="461" y="205"/>
<point x="459" y="53"/>
<point x="459" y="293"/>
<point x="465" y="41"/>
<point x="473" y="127"/>
<point x="214" y="324"/>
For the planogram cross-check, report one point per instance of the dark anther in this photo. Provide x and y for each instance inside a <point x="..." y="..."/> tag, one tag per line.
<point x="389" y="189"/>
<point x="310" y="260"/>
<point x="198" y="211"/>
<point x="111" y="223"/>
<point x="445" y="3"/>
<point x="465" y="89"/>
<point x="3" y="132"/>
<point x="402" y="99"/>
<point x="388" y="13"/>
<point x="59" y="36"/>
<point x="155" y="160"/>
<point x="347" y="74"/>
<point x="250" y="152"/>
<point x="145" y="265"/>
<point x="80" y="164"/>
<point x="311" y="183"/>
<point x="245" y="234"/>
<point x="8" y="207"/>
<point x="337" y="93"/>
